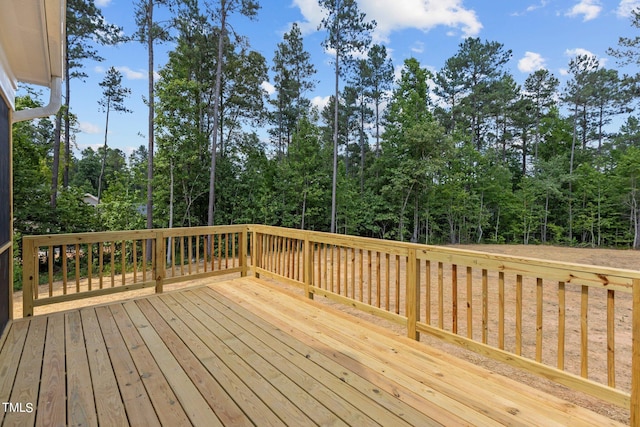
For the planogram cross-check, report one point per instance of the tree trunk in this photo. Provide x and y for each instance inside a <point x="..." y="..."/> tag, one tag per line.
<point x="171" y="195"/>
<point x="151" y="126"/>
<point x="55" y="167"/>
<point x="216" y="111"/>
<point x="334" y="182"/>
<point x="573" y="149"/>
<point x="67" y="127"/>
<point x="104" y="153"/>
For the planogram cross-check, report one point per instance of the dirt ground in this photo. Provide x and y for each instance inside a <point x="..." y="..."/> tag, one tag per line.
<point x="604" y="257"/>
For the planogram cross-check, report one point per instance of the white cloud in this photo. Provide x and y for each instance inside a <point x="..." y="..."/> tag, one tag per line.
<point x="542" y="4"/>
<point x="268" y="87"/>
<point x="312" y="13"/>
<point x="400" y="14"/>
<point x="418" y="47"/>
<point x="626" y="7"/>
<point x="320" y="102"/>
<point x="531" y="62"/>
<point x="131" y="74"/>
<point x="103" y="3"/>
<point x="89" y="128"/>
<point x="127" y="72"/>
<point x="590" y="9"/>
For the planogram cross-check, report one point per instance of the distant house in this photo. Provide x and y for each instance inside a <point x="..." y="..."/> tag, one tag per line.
<point x="31" y="51"/>
<point x="90" y="199"/>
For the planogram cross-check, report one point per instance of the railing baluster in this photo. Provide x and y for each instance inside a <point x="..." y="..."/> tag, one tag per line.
<point x="124" y="262"/>
<point x="89" y="264"/>
<point x="361" y="271"/>
<point x="562" y="311"/>
<point x="100" y="264"/>
<point x="387" y="280"/>
<point x="611" y="343"/>
<point x="182" y="255"/>
<point x="519" y="314"/>
<point x="113" y="263"/>
<point x="427" y="292"/>
<point x="501" y="310"/>
<point x="77" y="267"/>
<point x="227" y="247"/>
<point x="584" y="332"/>
<point x="398" y="284"/>
<point x="454" y="298"/>
<point x="470" y="302"/>
<point x="440" y="295"/>
<point x="134" y="253"/>
<point x="332" y="263"/>
<point x="353" y="273"/>
<point x="485" y="306"/>
<point x="338" y="270"/>
<point x="50" y="259"/>
<point x="345" y="281"/>
<point x="539" y="320"/>
<point x="65" y="273"/>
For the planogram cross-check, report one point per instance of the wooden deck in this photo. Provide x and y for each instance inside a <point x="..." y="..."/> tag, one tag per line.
<point x="242" y="352"/>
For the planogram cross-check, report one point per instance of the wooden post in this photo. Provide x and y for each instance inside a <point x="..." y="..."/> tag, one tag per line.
<point x="29" y="275"/>
<point x="256" y="253"/>
<point x="635" y="356"/>
<point x="307" y="269"/>
<point x="242" y="252"/>
<point x="413" y="295"/>
<point x="160" y="261"/>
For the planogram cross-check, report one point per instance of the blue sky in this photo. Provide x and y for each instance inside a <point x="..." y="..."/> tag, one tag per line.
<point x="541" y="34"/>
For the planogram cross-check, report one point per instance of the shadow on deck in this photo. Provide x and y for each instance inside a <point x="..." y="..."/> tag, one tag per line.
<point x="242" y="352"/>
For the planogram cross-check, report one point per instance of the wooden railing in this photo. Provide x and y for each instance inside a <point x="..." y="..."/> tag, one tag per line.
<point x="529" y="313"/>
<point x="84" y="265"/>
<point x="533" y="314"/>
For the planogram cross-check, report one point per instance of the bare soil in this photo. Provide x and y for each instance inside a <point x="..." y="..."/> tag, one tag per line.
<point x="626" y="259"/>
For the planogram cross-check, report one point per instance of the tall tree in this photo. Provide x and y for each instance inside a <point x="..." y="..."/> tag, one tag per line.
<point x="541" y="88"/>
<point x="415" y="141"/>
<point x="85" y="26"/>
<point x="149" y="32"/>
<point x="379" y="80"/>
<point x="472" y="73"/>
<point x="222" y="10"/>
<point x="293" y="77"/>
<point x="348" y="33"/>
<point x="113" y="97"/>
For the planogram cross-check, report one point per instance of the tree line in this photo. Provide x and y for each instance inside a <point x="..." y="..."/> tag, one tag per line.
<point x="465" y="154"/>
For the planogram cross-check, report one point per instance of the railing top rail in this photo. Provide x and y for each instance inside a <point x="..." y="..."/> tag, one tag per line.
<point x="567" y="272"/>
<point x="606" y="277"/>
<point x="93" y="237"/>
<point x="109" y="236"/>
<point x="387" y="246"/>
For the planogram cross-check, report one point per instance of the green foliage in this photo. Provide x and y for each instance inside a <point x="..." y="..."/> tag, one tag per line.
<point x="461" y="155"/>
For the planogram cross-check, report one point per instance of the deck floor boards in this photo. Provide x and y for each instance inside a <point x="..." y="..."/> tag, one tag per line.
<point x="240" y="353"/>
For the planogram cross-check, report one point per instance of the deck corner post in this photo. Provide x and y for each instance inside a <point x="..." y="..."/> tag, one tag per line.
<point x="412" y="295"/>
<point x="160" y="261"/>
<point x="256" y="252"/>
<point x="242" y="251"/>
<point x="308" y="267"/>
<point x="635" y="356"/>
<point x="29" y="276"/>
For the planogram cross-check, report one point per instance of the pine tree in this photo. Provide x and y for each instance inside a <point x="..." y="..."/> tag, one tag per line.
<point x="113" y="96"/>
<point x="348" y="33"/>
